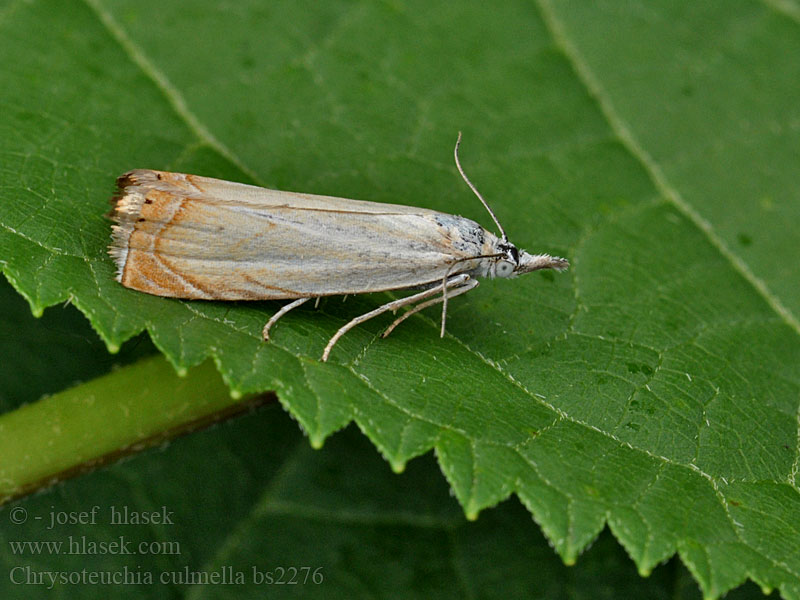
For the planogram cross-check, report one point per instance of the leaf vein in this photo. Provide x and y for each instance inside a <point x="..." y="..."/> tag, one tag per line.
<point x="659" y="179"/>
<point x="174" y="98"/>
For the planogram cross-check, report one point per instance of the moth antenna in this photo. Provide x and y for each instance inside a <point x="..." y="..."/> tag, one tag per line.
<point x="477" y="193"/>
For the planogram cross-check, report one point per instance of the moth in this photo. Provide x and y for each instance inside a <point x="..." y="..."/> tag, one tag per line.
<point x="186" y="236"/>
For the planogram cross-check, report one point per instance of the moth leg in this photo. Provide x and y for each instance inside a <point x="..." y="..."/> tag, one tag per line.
<point x="470" y="285"/>
<point x="456" y="281"/>
<point x="284" y="309"/>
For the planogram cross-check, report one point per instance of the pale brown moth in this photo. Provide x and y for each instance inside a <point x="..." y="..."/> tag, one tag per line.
<point x="186" y="236"/>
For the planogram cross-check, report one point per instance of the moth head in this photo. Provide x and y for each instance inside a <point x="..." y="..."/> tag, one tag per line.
<point x="510" y="261"/>
<point x="506" y="264"/>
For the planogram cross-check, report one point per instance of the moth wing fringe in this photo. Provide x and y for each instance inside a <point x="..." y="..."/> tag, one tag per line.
<point x="126" y="208"/>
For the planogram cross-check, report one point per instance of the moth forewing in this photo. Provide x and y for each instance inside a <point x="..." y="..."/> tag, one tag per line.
<point x="192" y="237"/>
<point x="178" y="241"/>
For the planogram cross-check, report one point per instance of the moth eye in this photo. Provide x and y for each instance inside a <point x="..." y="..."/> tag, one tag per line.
<point x="503" y="268"/>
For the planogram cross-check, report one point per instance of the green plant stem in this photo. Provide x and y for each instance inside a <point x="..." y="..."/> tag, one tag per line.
<point x="125" y="411"/>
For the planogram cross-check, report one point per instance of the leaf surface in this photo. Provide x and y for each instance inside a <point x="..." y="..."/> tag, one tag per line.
<point x="653" y="387"/>
<point x="249" y="496"/>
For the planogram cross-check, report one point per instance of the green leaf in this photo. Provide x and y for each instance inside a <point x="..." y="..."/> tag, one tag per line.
<point x="654" y="387"/>
<point x="250" y="494"/>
